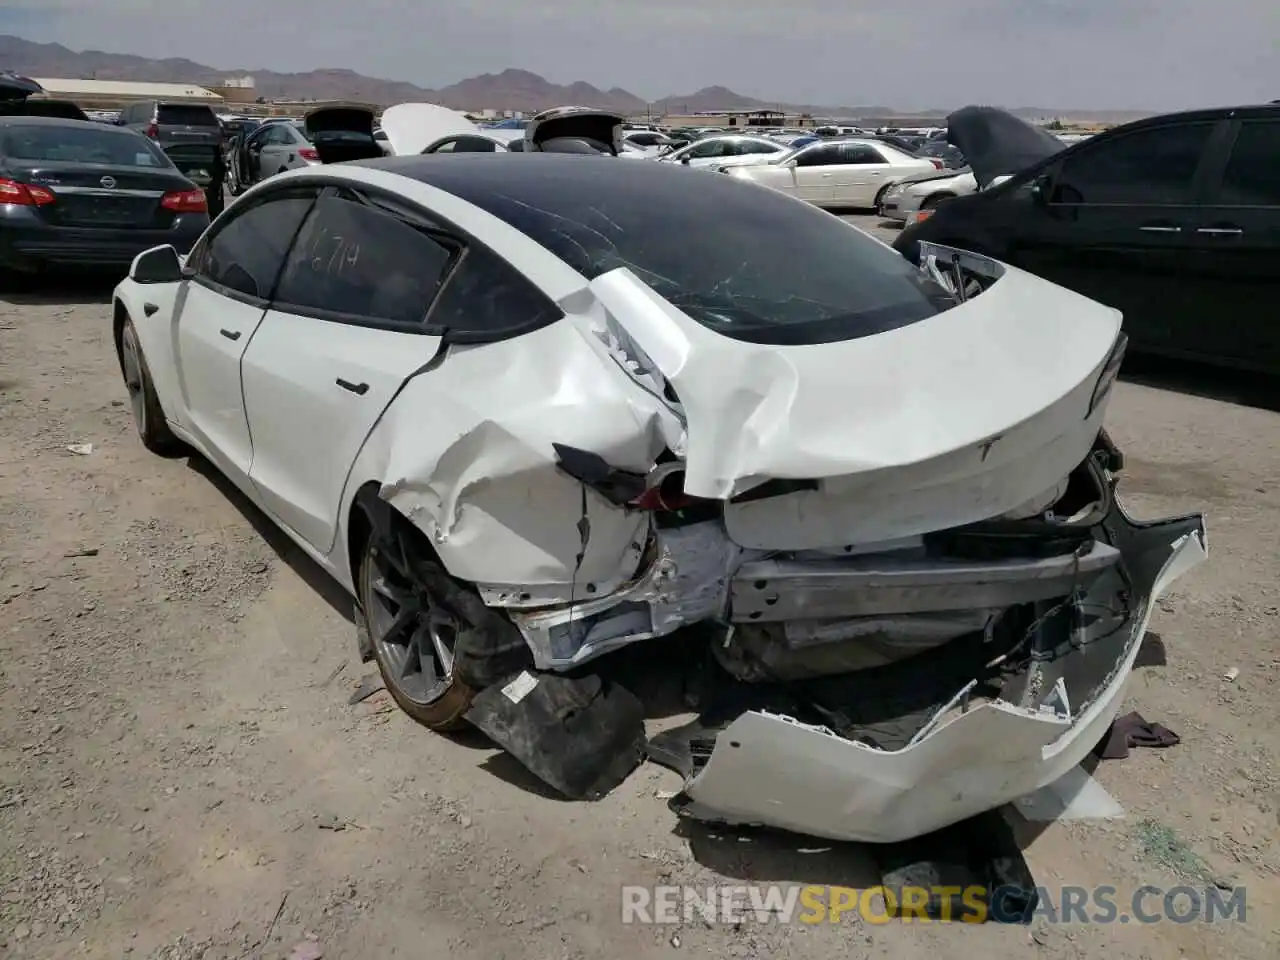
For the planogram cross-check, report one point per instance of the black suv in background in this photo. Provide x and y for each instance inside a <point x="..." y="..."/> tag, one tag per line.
<point x="188" y="132"/>
<point x="1174" y="220"/>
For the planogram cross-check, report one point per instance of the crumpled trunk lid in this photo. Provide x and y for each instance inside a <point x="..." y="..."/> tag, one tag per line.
<point x="958" y="418"/>
<point x="996" y="142"/>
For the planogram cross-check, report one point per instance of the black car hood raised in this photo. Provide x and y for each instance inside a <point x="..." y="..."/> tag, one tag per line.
<point x="14" y="87"/>
<point x="342" y="133"/>
<point x="995" y="142"/>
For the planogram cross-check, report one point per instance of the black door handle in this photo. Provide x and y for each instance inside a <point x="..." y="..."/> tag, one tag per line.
<point x="359" y="389"/>
<point x="149" y="309"/>
<point x="230" y="334"/>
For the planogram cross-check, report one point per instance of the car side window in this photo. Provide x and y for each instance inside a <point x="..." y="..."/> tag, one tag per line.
<point x="713" y="148"/>
<point x="1252" y="177"/>
<point x="823" y="156"/>
<point x="745" y="148"/>
<point x="356" y="261"/>
<point x="861" y="153"/>
<point x="467" y="144"/>
<point x="247" y="252"/>
<point x="1153" y="166"/>
<point x="487" y="299"/>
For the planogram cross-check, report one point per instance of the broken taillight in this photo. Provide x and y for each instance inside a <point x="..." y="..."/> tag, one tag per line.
<point x="937" y="164"/>
<point x="309" y="154"/>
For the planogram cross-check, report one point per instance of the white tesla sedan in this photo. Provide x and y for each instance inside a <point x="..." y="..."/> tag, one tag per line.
<point x="530" y="410"/>
<point x="835" y="173"/>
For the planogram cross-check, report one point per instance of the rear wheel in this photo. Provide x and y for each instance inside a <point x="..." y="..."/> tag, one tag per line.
<point x="148" y="416"/>
<point x="413" y="634"/>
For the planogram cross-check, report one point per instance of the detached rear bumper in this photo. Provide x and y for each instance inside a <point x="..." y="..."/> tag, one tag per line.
<point x="768" y="769"/>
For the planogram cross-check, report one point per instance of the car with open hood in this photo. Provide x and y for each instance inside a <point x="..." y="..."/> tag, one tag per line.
<point x="535" y="413"/>
<point x="23" y="97"/>
<point x="1173" y="220"/>
<point x="1007" y="145"/>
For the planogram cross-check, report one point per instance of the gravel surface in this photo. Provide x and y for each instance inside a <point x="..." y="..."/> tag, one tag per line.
<point x="181" y="776"/>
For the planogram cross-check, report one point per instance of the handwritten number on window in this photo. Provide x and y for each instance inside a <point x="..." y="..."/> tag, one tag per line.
<point x="331" y="253"/>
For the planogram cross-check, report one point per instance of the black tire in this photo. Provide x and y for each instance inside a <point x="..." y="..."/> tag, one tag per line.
<point x="399" y="612"/>
<point x="148" y="416"/>
<point x="879" y="201"/>
<point x="932" y="201"/>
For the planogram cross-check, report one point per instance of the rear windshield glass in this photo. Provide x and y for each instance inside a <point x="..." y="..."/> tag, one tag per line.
<point x="189" y="114"/>
<point x="746" y="261"/>
<point x="82" y="144"/>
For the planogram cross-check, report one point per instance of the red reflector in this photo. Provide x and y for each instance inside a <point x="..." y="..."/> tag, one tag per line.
<point x="153" y="132"/>
<point x="667" y="495"/>
<point x="937" y="164"/>
<point x="185" y="201"/>
<point x="309" y="153"/>
<point x="23" y="195"/>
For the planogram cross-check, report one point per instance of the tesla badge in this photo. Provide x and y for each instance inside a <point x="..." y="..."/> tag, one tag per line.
<point x="108" y="182"/>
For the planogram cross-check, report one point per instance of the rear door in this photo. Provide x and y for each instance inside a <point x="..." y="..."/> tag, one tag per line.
<point x="863" y="170"/>
<point x="1116" y="222"/>
<point x="230" y="276"/>
<point x="1236" y="251"/>
<point x="346" y="327"/>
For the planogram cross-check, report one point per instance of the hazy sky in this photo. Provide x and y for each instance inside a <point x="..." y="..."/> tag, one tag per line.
<point x="1071" y="54"/>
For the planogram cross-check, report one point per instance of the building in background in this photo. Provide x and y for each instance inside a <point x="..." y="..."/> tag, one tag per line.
<point x="112" y="94"/>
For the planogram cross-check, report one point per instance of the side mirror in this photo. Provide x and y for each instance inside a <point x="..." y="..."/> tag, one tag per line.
<point x="685" y="160"/>
<point x="157" y="265"/>
<point x="1040" y="188"/>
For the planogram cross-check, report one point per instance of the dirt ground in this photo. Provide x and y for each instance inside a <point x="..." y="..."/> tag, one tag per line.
<point x="181" y="775"/>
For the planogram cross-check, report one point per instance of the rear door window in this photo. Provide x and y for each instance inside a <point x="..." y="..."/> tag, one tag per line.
<point x="860" y="153"/>
<point x="1155" y="166"/>
<point x="355" y="261"/>
<point x="186" y="115"/>
<point x="1252" y="176"/>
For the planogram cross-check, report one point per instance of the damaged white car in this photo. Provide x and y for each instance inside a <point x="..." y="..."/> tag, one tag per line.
<point x="542" y="413"/>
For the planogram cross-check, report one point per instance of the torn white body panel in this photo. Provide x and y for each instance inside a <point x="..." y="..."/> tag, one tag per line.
<point x="476" y="471"/>
<point x="773" y="771"/>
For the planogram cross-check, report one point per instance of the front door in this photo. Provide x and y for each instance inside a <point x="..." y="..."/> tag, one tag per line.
<point x="1114" y="222"/>
<point x="346" y="328"/>
<point x="231" y="275"/>
<point x="815" y="169"/>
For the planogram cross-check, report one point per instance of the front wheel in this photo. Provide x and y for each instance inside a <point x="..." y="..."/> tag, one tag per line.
<point x="148" y="416"/>
<point x="412" y="633"/>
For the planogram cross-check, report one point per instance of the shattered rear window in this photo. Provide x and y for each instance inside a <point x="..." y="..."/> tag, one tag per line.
<point x="748" y="262"/>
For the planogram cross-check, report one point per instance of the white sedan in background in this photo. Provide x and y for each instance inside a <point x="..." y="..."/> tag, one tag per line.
<point x="716" y="150"/>
<point x="835" y="173"/>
